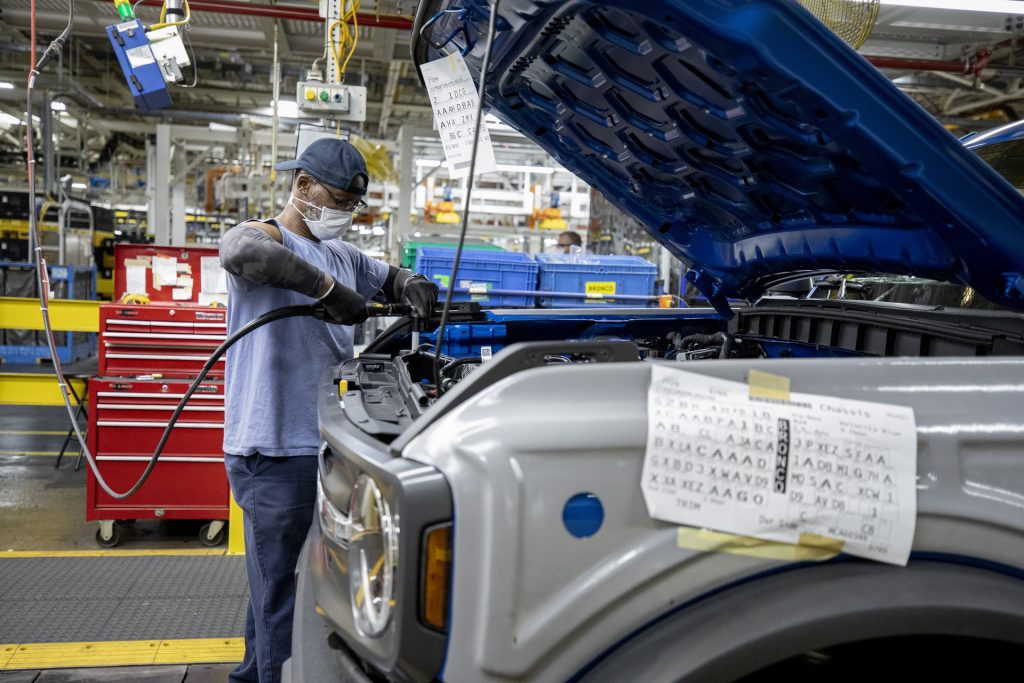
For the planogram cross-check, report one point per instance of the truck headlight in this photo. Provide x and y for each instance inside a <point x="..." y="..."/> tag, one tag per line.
<point x="372" y="557"/>
<point x="334" y="523"/>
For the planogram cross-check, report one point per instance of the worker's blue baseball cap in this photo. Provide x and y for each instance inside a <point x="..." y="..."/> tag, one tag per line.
<point x="333" y="162"/>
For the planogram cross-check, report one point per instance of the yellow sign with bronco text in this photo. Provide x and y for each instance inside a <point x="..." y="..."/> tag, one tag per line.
<point x="597" y="290"/>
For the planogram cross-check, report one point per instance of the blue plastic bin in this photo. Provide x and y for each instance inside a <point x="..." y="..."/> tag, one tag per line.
<point x="480" y="272"/>
<point x="596" y="279"/>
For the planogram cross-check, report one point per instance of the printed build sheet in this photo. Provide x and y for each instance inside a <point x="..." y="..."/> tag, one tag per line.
<point x="454" y="99"/>
<point x="782" y="470"/>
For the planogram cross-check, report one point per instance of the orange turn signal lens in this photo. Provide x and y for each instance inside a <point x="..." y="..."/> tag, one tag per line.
<point x="437" y="567"/>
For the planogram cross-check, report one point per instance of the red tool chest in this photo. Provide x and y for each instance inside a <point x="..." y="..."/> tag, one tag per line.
<point x="149" y="355"/>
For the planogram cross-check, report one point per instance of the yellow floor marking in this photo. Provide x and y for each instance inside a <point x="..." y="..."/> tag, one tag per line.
<point x="200" y="650"/>
<point x="14" y="432"/>
<point x="120" y="653"/>
<point x="153" y="552"/>
<point x="39" y="453"/>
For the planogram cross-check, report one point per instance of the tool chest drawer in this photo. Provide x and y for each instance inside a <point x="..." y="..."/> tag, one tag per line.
<point x="177" y="488"/>
<point x="160" y="338"/>
<point x="131" y="412"/>
<point x="126" y="420"/>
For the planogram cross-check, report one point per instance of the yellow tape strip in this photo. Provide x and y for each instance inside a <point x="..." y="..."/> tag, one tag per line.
<point x="811" y="547"/>
<point x="12" y="432"/>
<point x="120" y="653"/>
<point x="767" y="385"/>
<point x="153" y="552"/>
<point x="834" y="545"/>
<point x="54" y="454"/>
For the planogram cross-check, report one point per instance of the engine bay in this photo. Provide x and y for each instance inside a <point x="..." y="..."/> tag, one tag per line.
<point x="392" y="382"/>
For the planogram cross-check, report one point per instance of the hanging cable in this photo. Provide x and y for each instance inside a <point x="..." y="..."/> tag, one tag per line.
<point x="345" y="37"/>
<point x="355" y="36"/>
<point x="192" y="56"/>
<point x="453" y="278"/>
<point x="163" y="23"/>
<point x="42" y="276"/>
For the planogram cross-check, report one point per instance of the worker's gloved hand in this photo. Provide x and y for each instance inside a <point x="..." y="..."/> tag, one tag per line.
<point x="421" y="294"/>
<point x="341" y="306"/>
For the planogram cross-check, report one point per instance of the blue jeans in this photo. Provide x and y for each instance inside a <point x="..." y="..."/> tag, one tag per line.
<point x="277" y="496"/>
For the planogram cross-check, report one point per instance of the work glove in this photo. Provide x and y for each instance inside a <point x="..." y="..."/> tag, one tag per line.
<point x="341" y="306"/>
<point x="421" y="294"/>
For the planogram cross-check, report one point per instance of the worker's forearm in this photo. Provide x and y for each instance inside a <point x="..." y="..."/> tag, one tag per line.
<point x="254" y="255"/>
<point x="394" y="285"/>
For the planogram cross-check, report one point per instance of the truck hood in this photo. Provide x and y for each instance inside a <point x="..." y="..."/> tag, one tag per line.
<point x="745" y="136"/>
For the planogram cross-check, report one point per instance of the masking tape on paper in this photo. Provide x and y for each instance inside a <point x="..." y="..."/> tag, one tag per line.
<point x="810" y="548"/>
<point x="767" y="385"/>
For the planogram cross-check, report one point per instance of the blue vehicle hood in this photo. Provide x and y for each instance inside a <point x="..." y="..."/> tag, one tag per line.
<point x="745" y="136"/>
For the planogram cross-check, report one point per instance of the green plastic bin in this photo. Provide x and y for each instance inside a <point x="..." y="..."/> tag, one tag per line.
<point x="409" y="247"/>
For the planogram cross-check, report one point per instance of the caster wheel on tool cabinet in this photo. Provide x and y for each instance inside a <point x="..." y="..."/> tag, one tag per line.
<point x="216" y="539"/>
<point x="113" y="541"/>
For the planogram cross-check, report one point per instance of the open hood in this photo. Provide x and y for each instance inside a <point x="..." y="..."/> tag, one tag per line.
<point x="749" y="139"/>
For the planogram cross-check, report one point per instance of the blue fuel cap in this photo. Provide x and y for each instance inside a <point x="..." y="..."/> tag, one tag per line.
<point x="583" y="515"/>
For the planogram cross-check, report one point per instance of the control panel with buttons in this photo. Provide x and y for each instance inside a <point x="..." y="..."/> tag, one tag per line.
<point x="332" y="100"/>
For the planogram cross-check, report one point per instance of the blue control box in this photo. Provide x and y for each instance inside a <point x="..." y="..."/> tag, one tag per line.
<point x="141" y="70"/>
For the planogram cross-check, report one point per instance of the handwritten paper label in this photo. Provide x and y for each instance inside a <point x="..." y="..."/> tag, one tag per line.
<point x="721" y="459"/>
<point x="454" y="99"/>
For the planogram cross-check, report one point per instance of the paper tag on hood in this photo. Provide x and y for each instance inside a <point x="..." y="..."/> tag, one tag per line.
<point x="808" y="469"/>
<point x="453" y="97"/>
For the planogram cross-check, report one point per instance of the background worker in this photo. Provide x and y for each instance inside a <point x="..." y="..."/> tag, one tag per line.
<point x="569" y="239"/>
<point x="271" y="433"/>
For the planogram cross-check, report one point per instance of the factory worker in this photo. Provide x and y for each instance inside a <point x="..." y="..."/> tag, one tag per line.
<point x="271" y="434"/>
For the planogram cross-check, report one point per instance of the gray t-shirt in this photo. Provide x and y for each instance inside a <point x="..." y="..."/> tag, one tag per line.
<point x="272" y="373"/>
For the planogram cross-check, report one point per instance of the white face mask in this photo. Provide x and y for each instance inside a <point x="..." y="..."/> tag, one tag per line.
<point x="324" y="223"/>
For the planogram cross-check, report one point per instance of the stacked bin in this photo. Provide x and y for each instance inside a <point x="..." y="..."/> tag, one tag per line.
<point x="596" y="279"/>
<point x="411" y="247"/>
<point x="490" y="278"/>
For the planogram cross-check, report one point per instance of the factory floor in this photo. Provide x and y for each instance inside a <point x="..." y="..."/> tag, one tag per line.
<point x="161" y="603"/>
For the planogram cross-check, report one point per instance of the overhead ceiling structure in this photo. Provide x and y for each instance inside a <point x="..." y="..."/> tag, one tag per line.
<point x="233" y="42"/>
<point x="963" y="61"/>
